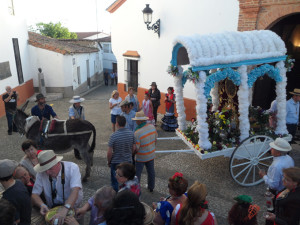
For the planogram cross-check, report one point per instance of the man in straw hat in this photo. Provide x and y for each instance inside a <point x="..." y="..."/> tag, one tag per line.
<point x="76" y="111"/>
<point x="145" y="140"/>
<point x="292" y="112"/>
<point x="279" y="149"/>
<point x="15" y="192"/>
<point x="42" y="110"/>
<point x="61" y="183"/>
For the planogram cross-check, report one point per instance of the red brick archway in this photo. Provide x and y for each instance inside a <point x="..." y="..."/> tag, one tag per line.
<point x="263" y="14"/>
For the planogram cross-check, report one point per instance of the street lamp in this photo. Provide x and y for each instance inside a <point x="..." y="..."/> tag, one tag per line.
<point x="148" y="19"/>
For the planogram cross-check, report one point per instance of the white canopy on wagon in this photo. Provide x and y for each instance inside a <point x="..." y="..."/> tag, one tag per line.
<point x="239" y="56"/>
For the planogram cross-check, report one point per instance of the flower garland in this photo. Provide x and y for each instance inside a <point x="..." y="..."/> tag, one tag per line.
<point x="201" y="109"/>
<point x="289" y="63"/>
<point x="221" y="75"/>
<point x="173" y="70"/>
<point x="281" y="100"/>
<point x="243" y="98"/>
<point x="214" y="93"/>
<point x="189" y="74"/>
<point x="262" y="70"/>
<point x="179" y="100"/>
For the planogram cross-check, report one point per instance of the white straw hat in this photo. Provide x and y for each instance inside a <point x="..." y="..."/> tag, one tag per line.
<point x="140" y="116"/>
<point x="281" y="145"/>
<point x="76" y="99"/>
<point x="47" y="159"/>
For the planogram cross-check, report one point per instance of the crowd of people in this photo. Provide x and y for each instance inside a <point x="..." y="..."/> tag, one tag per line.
<point x="44" y="181"/>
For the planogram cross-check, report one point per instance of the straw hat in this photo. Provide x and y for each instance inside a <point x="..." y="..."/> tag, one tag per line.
<point x="149" y="214"/>
<point x="76" y="99"/>
<point x="7" y="167"/>
<point x="140" y="116"/>
<point x="295" y="92"/>
<point x="281" y="145"/>
<point x="125" y="102"/>
<point x="47" y="159"/>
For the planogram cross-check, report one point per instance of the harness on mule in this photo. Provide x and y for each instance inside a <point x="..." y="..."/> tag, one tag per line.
<point x="47" y="127"/>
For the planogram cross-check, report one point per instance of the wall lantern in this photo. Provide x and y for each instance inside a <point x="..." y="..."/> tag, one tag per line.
<point x="148" y="19"/>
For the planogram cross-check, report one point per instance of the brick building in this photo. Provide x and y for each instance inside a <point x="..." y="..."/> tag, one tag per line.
<point x="282" y="17"/>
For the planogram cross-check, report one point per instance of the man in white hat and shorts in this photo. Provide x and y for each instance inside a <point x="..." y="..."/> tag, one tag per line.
<point x="279" y="150"/>
<point x="61" y="183"/>
<point x="76" y="111"/>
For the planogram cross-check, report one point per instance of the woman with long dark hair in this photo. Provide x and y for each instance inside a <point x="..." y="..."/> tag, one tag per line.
<point x="155" y="99"/>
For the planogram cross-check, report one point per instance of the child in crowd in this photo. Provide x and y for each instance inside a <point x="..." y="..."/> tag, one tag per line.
<point x="147" y="107"/>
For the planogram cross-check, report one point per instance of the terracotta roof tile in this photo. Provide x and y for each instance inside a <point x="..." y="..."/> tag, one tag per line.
<point x="62" y="46"/>
<point x="115" y="5"/>
<point x="132" y="54"/>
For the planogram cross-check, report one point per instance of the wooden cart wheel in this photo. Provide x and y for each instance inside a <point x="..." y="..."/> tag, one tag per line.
<point x="248" y="158"/>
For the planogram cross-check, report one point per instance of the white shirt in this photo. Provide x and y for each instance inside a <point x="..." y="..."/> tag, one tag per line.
<point x="72" y="180"/>
<point x="274" y="176"/>
<point x="117" y="109"/>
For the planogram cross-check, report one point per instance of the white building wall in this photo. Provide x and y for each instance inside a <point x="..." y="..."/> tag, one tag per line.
<point x="60" y="71"/>
<point x="13" y="27"/>
<point x="57" y="70"/>
<point x="177" y="18"/>
<point x="108" y="58"/>
<point x="96" y="36"/>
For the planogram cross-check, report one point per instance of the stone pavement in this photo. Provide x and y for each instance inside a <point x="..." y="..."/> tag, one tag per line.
<point x="213" y="172"/>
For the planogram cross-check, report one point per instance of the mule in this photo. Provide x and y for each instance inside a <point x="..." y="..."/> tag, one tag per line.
<point x="65" y="136"/>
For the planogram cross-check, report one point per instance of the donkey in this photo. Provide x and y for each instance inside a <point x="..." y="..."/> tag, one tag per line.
<point x="65" y="136"/>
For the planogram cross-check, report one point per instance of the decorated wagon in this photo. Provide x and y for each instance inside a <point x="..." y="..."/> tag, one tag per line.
<point x="240" y="58"/>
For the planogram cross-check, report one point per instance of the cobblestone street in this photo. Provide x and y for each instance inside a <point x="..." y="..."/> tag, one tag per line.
<point x="213" y="172"/>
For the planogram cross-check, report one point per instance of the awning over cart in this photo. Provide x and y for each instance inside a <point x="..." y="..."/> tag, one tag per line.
<point x="235" y="48"/>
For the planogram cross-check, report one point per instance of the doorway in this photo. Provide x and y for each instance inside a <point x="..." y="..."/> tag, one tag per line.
<point x="133" y="74"/>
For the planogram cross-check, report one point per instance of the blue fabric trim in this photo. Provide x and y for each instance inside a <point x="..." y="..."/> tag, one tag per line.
<point x="175" y="53"/>
<point x="257" y="72"/>
<point x="221" y="75"/>
<point x="238" y="64"/>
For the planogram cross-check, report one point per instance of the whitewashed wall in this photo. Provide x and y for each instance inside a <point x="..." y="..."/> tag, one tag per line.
<point x="108" y="58"/>
<point x="177" y="18"/>
<point x="59" y="70"/>
<point x="13" y="27"/>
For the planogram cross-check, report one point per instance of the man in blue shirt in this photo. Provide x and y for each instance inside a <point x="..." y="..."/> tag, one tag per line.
<point x="42" y="110"/>
<point x="128" y="114"/>
<point x="292" y="112"/>
<point x="279" y="149"/>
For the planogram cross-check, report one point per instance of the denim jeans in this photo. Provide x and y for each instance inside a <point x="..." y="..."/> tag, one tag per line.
<point x="114" y="182"/>
<point x="10" y="124"/>
<point x="139" y="166"/>
<point x="292" y="129"/>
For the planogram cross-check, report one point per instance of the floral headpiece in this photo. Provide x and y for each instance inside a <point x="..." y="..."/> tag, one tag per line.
<point x="147" y="93"/>
<point x="177" y="176"/>
<point x="252" y="211"/>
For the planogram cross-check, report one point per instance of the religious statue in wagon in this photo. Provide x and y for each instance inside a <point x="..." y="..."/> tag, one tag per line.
<point x="224" y="68"/>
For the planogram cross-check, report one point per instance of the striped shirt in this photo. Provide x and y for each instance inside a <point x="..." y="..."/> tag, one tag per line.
<point x="145" y="140"/>
<point x="122" y="142"/>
